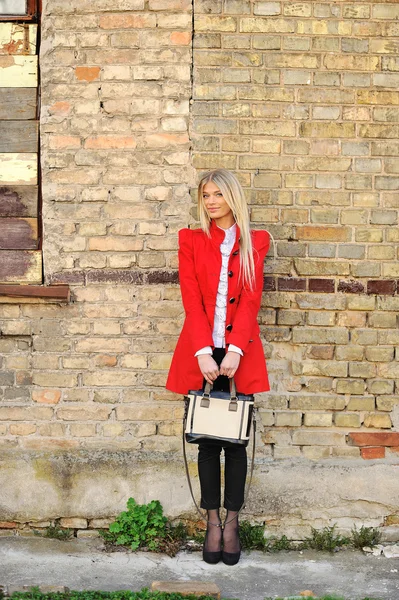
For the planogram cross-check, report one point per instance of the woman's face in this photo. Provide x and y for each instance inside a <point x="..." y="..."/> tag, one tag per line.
<point x="216" y="206"/>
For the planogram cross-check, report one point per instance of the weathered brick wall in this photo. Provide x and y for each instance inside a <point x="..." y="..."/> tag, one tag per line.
<point x="116" y="177"/>
<point x="299" y="99"/>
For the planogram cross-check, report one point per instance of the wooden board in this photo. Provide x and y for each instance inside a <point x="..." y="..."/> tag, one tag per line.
<point x="59" y="292"/>
<point x="18" y="103"/>
<point x="18" y="39"/>
<point x="22" y="266"/>
<point x="18" y="201"/>
<point x="18" y="169"/>
<point x="18" y="71"/>
<point x="19" y="136"/>
<point x="18" y="234"/>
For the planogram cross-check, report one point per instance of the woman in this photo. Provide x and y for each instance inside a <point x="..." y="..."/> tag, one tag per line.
<point x="221" y="280"/>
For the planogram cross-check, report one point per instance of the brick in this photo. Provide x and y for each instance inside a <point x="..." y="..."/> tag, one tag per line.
<point x="377" y="439"/>
<point x="315" y="452"/>
<point x="26" y="413"/>
<point x="347" y="420"/>
<point x="215" y="23"/>
<point x="380" y="386"/>
<point x="257" y="24"/>
<point x="346" y="452"/>
<point x="322" y="285"/>
<point x="323" y="130"/>
<point x="350" y="386"/>
<point x="372" y="453"/>
<point x="387" y="403"/>
<point x="46" y="396"/>
<point x="320" y="302"/>
<point x="361" y="403"/>
<point x="318" y="419"/>
<point x="320" y="267"/>
<point x="87" y="73"/>
<point x="378" y="354"/>
<point x="318" y="438"/>
<point x="22" y="429"/>
<point x="127" y="21"/>
<point x="82" y="430"/>
<point x="362" y="369"/>
<point x="311" y="232"/>
<point x="280" y="452"/>
<point x="381" y="287"/>
<point x="360" y="303"/>
<point x="288" y="419"/>
<point x="321" y="318"/>
<point x="73" y="523"/>
<point x="351" y="319"/>
<point x="144" y="413"/>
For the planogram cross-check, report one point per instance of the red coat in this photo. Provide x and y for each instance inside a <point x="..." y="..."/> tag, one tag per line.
<point x="200" y="263"/>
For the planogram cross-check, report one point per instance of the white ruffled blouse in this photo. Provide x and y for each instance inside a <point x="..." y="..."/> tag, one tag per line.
<point x="219" y="324"/>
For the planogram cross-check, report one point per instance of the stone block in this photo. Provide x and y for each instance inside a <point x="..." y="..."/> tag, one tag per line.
<point x="196" y="588"/>
<point x="73" y="523"/>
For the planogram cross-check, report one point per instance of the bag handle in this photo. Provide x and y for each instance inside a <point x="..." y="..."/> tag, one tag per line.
<point x="233" y="390"/>
<point x="205" y="400"/>
<point x="188" y="473"/>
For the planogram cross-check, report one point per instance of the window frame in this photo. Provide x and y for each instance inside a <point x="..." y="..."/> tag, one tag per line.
<point x="32" y="12"/>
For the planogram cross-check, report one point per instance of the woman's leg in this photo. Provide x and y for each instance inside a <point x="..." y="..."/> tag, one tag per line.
<point x="209" y="476"/>
<point x="234" y="487"/>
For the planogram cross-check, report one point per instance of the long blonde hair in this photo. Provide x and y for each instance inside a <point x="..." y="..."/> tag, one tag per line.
<point x="233" y="194"/>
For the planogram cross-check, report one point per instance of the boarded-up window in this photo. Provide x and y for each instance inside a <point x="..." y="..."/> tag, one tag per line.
<point x="20" y="256"/>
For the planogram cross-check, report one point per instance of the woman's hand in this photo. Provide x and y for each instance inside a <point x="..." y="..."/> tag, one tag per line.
<point x="230" y="364"/>
<point x="208" y="367"/>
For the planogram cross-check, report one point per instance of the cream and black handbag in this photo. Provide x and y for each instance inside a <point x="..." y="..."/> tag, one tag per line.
<point x="217" y="415"/>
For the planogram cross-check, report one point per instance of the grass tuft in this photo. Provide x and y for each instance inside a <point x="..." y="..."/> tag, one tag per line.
<point x="365" y="536"/>
<point x="326" y="539"/>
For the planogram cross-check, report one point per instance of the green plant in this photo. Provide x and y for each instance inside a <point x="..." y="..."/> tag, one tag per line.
<point x="55" y="531"/>
<point x="278" y="544"/>
<point x="252" y="536"/>
<point x="365" y="536"/>
<point x="326" y="539"/>
<point x="142" y="525"/>
<point x="177" y="532"/>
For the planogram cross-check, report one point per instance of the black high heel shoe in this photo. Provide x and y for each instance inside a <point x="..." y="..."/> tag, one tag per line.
<point x="211" y="557"/>
<point x="232" y="558"/>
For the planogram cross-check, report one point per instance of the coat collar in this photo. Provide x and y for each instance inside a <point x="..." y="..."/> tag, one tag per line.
<point x="217" y="235"/>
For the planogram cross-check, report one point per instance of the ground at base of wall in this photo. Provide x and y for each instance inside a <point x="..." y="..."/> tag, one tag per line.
<point x="82" y="565"/>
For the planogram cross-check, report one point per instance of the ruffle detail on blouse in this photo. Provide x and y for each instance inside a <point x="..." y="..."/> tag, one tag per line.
<point x="221" y="297"/>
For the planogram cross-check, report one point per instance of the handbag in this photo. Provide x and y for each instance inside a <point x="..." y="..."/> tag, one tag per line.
<point x="218" y="416"/>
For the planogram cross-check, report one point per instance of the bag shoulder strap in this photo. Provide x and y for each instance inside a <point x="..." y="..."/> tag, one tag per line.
<point x="250" y="475"/>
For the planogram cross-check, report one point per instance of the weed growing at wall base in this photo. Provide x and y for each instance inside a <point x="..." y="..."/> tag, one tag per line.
<point x="141" y="525"/>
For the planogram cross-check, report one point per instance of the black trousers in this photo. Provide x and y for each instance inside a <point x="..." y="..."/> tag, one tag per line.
<point x="235" y="469"/>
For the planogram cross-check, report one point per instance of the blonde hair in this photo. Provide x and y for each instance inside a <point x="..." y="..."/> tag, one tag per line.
<point x="233" y="194"/>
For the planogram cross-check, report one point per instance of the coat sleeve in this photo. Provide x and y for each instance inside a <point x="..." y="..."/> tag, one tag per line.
<point x="248" y="307"/>
<point x="196" y="320"/>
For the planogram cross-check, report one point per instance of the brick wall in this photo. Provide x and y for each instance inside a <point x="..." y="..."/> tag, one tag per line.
<point x="300" y="100"/>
